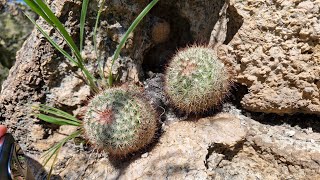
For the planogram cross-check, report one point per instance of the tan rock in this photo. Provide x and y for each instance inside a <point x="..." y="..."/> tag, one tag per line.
<point x="277" y="50"/>
<point x="179" y="154"/>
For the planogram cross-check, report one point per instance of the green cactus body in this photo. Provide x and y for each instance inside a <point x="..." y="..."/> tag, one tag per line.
<point x="119" y="121"/>
<point x="196" y="79"/>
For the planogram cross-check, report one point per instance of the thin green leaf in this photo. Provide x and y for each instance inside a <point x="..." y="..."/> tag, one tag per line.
<point x="52" y="41"/>
<point x="89" y="77"/>
<point x="49" y="151"/>
<point x="82" y="21"/>
<point x="91" y="80"/>
<point x="57" y="112"/>
<point x="61" y="28"/>
<point x="53" y="163"/>
<point x="101" y="71"/>
<point x="52" y="151"/>
<point x="35" y="7"/>
<point x="56" y="120"/>
<point x="125" y="37"/>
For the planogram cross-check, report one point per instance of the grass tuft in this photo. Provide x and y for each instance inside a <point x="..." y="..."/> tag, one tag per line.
<point x="54" y="115"/>
<point x="100" y="66"/>
<point x="42" y="9"/>
<point x="54" y="151"/>
<point x="82" y="21"/>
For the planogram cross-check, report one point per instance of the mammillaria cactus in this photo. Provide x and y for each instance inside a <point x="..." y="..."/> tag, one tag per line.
<point x="196" y="79"/>
<point x="119" y="121"/>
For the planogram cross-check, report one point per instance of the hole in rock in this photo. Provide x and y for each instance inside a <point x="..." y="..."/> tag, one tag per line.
<point x="180" y="36"/>
<point x="234" y="24"/>
<point x="236" y="94"/>
<point x="228" y="152"/>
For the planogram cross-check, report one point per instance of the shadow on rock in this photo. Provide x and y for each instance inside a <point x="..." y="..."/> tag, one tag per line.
<point x="38" y="170"/>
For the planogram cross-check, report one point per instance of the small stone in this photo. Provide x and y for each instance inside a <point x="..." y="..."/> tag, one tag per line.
<point x="290" y="133"/>
<point x="292" y="169"/>
<point x="214" y="160"/>
<point x="145" y="155"/>
<point x="312" y="140"/>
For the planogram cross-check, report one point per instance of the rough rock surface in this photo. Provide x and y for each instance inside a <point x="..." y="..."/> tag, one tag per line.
<point x="231" y="145"/>
<point x="180" y="152"/>
<point x="226" y="146"/>
<point x="276" y="54"/>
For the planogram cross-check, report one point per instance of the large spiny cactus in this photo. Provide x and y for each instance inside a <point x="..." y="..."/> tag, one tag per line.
<point x="119" y="121"/>
<point x="196" y="79"/>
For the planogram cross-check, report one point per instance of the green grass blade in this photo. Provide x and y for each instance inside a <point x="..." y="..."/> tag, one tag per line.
<point x="53" y="150"/>
<point x="53" y="42"/>
<point x="125" y="37"/>
<point x="56" y="112"/>
<point x="56" y="120"/>
<point x="89" y="77"/>
<point x="101" y="71"/>
<point x="35" y="7"/>
<point x="82" y="21"/>
<point x="60" y="27"/>
<point x="91" y="80"/>
<point x="53" y="163"/>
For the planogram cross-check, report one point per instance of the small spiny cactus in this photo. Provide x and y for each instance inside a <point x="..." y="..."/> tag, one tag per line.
<point x="119" y="121"/>
<point x="196" y="79"/>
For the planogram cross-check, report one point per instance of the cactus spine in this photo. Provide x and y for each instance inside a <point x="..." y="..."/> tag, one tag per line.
<point x="196" y="79"/>
<point x="119" y="121"/>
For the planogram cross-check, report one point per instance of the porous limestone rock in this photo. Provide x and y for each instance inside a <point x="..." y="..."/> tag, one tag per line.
<point x="276" y="54"/>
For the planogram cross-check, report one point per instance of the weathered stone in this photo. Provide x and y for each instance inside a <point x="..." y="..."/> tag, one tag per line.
<point x="276" y="55"/>
<point x="180" y="153"/>
<point x="224" y="146"/>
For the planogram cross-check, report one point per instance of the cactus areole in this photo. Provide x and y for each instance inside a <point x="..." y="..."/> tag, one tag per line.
<point x="196" y="79"/>
<point x="119" y="121"/>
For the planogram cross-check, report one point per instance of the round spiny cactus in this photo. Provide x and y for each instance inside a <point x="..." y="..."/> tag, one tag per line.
<point x="196" y="79"/>
<point x="119" y="121"/>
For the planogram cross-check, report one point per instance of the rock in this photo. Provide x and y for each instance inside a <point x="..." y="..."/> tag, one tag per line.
<point x="272" y="47"/>
<point x="41" y="74"/>
<point x="180" y="152"/>
<point x="290" y="133"/>
<point x="276" y="55"/>
<point x="219" y="147"/>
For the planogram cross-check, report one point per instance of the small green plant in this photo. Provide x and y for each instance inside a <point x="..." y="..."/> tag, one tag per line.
<point x="42" y="9"/>
<point x="58" y="117"/>
<point x="141" y="119"/>
<point x="119" y="121"/>
<point x="196" y="79"/>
